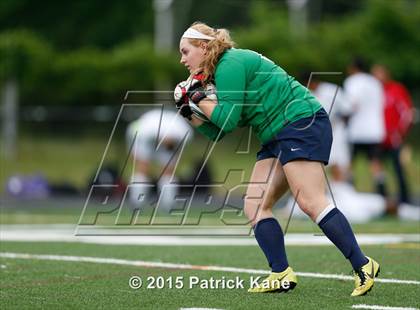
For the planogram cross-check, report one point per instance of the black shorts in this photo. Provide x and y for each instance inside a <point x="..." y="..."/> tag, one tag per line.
<point x="371" y="150"/>
<point x="308" y="138"/>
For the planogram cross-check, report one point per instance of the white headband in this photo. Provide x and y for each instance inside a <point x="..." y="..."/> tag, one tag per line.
<point x="191" y="33"/>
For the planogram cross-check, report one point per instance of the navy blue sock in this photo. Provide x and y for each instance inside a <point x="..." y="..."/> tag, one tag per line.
<point x="270" y="239"/>
<point x="336" y="227"/>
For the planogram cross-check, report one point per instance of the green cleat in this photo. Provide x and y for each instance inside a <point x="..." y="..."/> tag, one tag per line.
<point x="364" y="277"/>
<point x="276" y="282"/>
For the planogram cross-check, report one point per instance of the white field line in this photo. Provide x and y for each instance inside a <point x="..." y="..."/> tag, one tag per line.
<point x="148" y="264"/>
<point x="378" y="307"/>
<point x="56" y="233"/>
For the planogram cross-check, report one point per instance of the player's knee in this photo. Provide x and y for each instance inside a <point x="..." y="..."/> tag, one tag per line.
<point x="251" y="211"/>
<point x="310" y="206"/>
<point x="255" y="209"/>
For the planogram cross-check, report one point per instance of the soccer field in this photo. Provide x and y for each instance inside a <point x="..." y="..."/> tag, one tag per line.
<point x="177" y="154"/>
<point x="54" y="275"/>
<point x="44" y="265"/>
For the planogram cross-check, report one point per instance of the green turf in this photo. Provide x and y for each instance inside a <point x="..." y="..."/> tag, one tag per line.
<point x="69" y="211"/>
<point x="75" y="160"/>
<point x="35" y="284"/>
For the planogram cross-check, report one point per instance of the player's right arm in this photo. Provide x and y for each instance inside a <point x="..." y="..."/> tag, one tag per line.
<point x="208" y="129"/>
<point x="211" y="131"/>
<point x="230" y="83"/>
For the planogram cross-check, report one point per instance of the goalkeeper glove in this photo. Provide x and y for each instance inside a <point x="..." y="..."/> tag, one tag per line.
<point x="183" y="92"/>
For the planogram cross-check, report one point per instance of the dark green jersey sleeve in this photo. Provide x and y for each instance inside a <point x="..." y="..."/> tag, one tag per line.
<point x="211" y="131"/>
<point x="252" y="91"/>
<point x="230" y="82"/>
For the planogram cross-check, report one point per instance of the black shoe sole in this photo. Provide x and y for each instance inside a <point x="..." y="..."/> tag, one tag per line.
<point x="282" y="290"/>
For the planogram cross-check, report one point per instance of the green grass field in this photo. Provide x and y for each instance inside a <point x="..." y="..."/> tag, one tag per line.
<point x="36" y="284"/>
<point x="75" y="160"/>
<point x="50" y="284"/>
<point x="69" y="211"/>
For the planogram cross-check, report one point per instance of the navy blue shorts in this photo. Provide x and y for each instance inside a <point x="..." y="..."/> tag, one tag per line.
<point x="308" y="138"/>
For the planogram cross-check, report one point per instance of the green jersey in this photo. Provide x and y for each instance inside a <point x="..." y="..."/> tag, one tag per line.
<point x="253" y="91"/>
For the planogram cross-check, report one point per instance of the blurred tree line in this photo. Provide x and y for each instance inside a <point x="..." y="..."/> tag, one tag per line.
<point x="92" y="52"/>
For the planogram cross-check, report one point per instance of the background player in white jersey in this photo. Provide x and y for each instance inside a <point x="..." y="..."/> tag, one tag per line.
<point x="157" y="136"/>
<point x="357" y="207"/>
<point x="335" y="102"/>
<point x="366" y="124"/>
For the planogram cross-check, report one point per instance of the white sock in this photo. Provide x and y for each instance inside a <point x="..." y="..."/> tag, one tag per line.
<point x="324" y="213"/>
<point x="168" y="189"/>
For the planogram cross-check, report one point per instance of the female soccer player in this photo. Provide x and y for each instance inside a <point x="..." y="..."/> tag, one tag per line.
<point x="295" y="134"/>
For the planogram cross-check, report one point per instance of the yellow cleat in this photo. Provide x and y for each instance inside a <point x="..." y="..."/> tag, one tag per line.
<point x="276" y="282"/>
<point x="364" y="277"/>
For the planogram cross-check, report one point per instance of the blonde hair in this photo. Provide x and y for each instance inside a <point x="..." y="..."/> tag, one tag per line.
<point x="215" y="48"/>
